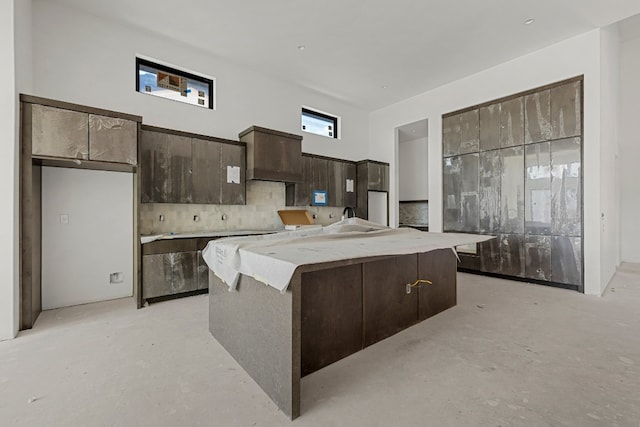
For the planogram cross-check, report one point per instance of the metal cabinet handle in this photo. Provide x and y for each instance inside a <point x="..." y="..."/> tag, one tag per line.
<point x="417" y="283"/>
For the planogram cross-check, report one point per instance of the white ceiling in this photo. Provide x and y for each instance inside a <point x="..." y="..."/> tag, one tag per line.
<point x="356" y="48"/>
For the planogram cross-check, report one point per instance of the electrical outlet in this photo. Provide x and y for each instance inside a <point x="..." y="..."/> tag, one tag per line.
<point x="64" y="219"/>
<point x="196" y="218"/>
<point x="161" y="217"/>
<point x="116" y="277"/>
<point x="224" y="217"/>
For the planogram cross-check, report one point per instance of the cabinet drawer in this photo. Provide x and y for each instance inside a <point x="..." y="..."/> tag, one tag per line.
<point x="168" y="246"/>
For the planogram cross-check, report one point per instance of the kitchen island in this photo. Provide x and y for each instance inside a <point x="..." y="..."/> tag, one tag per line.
<point x="303" y="300"/>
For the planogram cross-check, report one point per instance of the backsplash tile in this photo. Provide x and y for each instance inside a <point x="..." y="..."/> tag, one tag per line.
<point x="414" y="213"/>
<point x="264" y="199"/>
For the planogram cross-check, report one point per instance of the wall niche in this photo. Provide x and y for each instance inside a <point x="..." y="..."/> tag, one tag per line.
<point x="512" y="168"/>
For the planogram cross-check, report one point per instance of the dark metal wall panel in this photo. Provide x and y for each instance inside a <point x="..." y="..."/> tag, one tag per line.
<point x="469" y="132"/>
<point x="489" y="127"/>
<point x="537" y="256"/>
<point x="202" y="273"/>
<point x="537" y="125"/>
<point x="537" y="187"/>
<point x="512" y="190"/>
<point x="566" y="197"/>
<point x="512" y="255"/>
<point x="180" y="164"/>
<point x="566" y="110"/>
<point x="451" y="136"/>
<point x="566" y="260"/>
<point x="512" y="122"/>
<point x="490" y="171"/>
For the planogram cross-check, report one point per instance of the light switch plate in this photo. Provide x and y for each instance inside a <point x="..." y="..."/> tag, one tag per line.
<point x="64" y="219"/>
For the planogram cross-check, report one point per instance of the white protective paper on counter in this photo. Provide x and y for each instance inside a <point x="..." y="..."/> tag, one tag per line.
<point x="272" y="259"/>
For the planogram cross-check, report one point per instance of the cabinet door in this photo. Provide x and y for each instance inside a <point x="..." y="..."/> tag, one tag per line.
<point x="183" y="271"/>
<point x="439" y="267"/>
<point x="387" y="308"/>
<point x="335" y="190"/>
<point x="113" y="140"/>
<point x="320" y="179"/>
<point x="232" y="193"/>
<point x="202" y="273"/>
<point x="303" y="189"/>
<point x="206" y="172"/>
<point x="378" y="175"/>
<point x="349" y="174"/>
<point x="59" y="133"/>
<point x="156" y="275"/>
<point x="165" y="168"/>
<point x="331" y="316"/>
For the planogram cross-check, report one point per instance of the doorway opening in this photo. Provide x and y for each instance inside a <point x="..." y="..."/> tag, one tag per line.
<point x="413" y="175"/>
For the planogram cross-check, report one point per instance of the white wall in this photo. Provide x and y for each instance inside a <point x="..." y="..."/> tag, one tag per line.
<point x="84" y="59"/>
<point x="413" y="170"/>
<point x="78" y="257"/>
<point x="577" y="56"/>
<point x="629" y="153"/>
<point x="8" y="136"/>
<point x="609" y="179"/>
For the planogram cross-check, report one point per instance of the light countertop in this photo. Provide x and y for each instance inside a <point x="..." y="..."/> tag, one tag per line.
<point x="195" y="234"/>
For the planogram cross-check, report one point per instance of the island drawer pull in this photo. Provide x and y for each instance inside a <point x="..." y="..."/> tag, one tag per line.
<point x="418" y="283"/>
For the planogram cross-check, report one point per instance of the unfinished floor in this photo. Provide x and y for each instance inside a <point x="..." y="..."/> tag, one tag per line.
<point x="509" y="354"/>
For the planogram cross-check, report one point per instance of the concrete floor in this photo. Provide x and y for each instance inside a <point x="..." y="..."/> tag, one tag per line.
<point x="510" y="354"/>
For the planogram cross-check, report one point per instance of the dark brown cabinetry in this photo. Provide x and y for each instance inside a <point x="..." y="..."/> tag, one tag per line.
<point x="388" y="308"/>
<point x="347" y="308"/>
<point x="177" y="167"/>
<point x="328" y="338"/>
<point x="372" y="176"/>
<point x="70" y="134"/>
<point x="272" y="155"/>
<point x="521" y="183"/>
<point x="172" y="267"/>
<point x="321" y="173"/>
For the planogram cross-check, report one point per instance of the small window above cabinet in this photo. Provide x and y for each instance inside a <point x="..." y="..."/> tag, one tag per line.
<point x="66" y="134"/>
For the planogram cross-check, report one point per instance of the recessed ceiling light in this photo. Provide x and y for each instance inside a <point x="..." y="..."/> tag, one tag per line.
<point x="301" y="47"/>
<point x="385" y="87"/>
<point x="529" y="21"/>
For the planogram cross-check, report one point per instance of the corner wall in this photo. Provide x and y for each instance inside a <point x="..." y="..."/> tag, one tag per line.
<point x="577" y="56"/>
<point x="8" y="176"/>
<point x="629" y="151"/>
<point x="609" y="160"/>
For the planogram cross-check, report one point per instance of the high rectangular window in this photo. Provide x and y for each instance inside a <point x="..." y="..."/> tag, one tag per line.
<point x="319" y="123"/>
<point x="171" y="83"/>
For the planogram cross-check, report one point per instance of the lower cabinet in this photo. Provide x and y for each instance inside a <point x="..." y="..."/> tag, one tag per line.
<point x="388" y="308"/>
<point x="347" y="308"/>
<point x="172" y="267"/>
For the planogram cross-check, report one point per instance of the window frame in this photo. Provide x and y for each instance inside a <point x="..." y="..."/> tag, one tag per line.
<point x="210" y="82"/>
<point x="312" y="112"/>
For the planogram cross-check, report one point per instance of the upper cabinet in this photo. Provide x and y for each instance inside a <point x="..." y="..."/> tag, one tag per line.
<point x="177" y="167"/>
<point x="373" y="176"/>
<point x="68" y="131"/>
<point x="273" y="155"/>
<point x="335" y="176"/>
<point x="112" y="139"/>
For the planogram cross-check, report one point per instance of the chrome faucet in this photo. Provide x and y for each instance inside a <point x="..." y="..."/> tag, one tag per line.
<point x="348" y="212"/>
